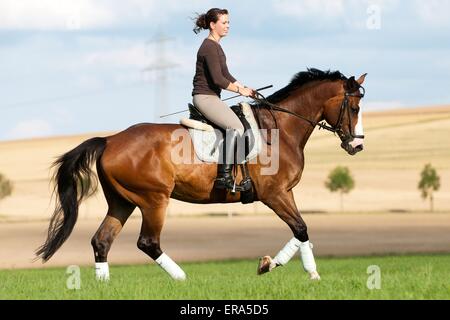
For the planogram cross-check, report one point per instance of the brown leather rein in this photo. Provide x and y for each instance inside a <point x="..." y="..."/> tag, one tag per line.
<point x="336" y="129"/>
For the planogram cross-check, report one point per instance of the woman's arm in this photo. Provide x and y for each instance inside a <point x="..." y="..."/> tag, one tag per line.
<point x="220" y="80"/>
<point x="215" y="70"/>
<point x="228" y="75"/>
<point x="214" y="66"/>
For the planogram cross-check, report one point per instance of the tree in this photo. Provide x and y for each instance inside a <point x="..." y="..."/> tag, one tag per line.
<point x="6" y="187"/>
<point x="340" y="180"/>
<point x="429" y="182"/>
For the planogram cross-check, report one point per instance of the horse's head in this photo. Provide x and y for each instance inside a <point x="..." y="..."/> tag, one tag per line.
<point x="344" y="115"/>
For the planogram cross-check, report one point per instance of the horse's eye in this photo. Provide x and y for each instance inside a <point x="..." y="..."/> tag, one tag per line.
<point x="355" y="110"/>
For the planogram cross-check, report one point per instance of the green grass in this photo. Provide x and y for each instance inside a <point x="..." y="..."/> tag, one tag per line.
<point x="402" y="277"/>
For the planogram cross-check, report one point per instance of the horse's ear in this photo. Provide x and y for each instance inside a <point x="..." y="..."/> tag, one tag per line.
<point x="351" y="84"/>
<point x="361" y="79"/>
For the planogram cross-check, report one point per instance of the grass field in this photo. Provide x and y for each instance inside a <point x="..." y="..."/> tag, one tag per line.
<point x="402" y="277"/>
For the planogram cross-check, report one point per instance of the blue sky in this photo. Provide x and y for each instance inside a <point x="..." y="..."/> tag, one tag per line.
<point x="68" y="67"/>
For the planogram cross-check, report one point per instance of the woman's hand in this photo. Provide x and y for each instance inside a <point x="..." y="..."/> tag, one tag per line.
<point x="247" y="92"/>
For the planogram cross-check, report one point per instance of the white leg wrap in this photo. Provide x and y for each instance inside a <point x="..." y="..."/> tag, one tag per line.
<point x="102" y="271"/>
<point x="170" y="267"/>
<point x="287" y="252"/>
<point x="309" y="264"/>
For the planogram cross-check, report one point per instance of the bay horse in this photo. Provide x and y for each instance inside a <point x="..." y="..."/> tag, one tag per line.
<point x="135" y="169"/>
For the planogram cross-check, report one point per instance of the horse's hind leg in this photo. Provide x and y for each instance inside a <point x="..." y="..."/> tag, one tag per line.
<point x="118" y="212"/>
<point x="149" y="239"/>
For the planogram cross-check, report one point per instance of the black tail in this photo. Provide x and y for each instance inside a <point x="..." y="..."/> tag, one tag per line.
<point x="73" y="182"/>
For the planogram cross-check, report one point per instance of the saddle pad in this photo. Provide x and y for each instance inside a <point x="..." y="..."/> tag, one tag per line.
<point x="208" y="144"/>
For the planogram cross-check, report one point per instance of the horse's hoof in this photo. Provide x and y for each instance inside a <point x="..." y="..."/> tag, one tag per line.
<point x="264" y="265"/>
<point x="314" y="276"/>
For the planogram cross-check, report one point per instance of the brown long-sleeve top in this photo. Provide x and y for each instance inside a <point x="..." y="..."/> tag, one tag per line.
<point x="211" y="71"/>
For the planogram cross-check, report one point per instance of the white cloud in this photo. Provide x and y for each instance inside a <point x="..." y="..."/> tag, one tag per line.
<point x="30" y="129"/>
<point x="433" y="12"/>
<point x="330" y="8"/>
<point x="54" y="14"/>
<point x="89" y="14"/>
<point x="125" y="61"/>
<point x="90" y="82"/>
<point x="385" y="5"/>
<point x="307" y="8"/>
<point x="134" y="56"/>
<point x="353" y="13"/>
<point x="443" y="63"/>
<point x="65" y="65"/>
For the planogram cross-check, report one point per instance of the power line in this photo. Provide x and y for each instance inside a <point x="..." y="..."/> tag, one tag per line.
<point x="160" y="66"/>
<point x="27" y="103"/>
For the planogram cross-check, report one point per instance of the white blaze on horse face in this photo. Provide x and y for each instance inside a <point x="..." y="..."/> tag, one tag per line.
<point x="358" y="131"/>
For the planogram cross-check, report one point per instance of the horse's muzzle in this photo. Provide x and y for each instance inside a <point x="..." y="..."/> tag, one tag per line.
<point x="350" y="149"/>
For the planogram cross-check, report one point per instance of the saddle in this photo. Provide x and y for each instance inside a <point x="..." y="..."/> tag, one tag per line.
<point x="204" y="132"/>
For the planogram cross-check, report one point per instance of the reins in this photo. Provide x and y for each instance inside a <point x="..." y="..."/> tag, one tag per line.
<point x="271" y="107"/>
<point x="261" y="100"/>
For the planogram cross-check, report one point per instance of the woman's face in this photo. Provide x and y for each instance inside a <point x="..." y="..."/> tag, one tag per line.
<point x="221" y="26"/>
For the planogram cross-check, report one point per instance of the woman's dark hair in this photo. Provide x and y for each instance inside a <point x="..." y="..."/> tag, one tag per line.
<point x="203" y="20"/>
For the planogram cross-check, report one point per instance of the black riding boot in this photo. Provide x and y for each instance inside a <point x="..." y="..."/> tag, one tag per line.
<point x="224" y="178"/>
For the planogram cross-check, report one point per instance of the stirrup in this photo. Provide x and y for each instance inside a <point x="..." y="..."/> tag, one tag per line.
<point x="224" y="183"/>
<point x="243" y="186"/>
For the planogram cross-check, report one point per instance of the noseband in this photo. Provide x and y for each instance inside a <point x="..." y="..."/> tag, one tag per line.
<point x="337" y="128"/>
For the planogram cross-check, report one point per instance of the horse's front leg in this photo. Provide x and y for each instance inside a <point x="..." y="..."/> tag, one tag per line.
<point x="284" y="206"/>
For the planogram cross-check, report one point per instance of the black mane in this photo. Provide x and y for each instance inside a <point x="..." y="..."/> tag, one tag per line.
<point x="303" y="78"/>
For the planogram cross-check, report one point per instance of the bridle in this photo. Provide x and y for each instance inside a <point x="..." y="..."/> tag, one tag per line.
<point x="336" y="129"/>
<point x="345" y="107"/>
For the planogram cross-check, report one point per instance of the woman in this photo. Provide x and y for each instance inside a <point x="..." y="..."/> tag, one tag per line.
<point x="211" y="76"/>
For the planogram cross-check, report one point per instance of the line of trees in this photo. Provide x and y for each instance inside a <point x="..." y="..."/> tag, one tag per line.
<point x="340" y="180"/>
